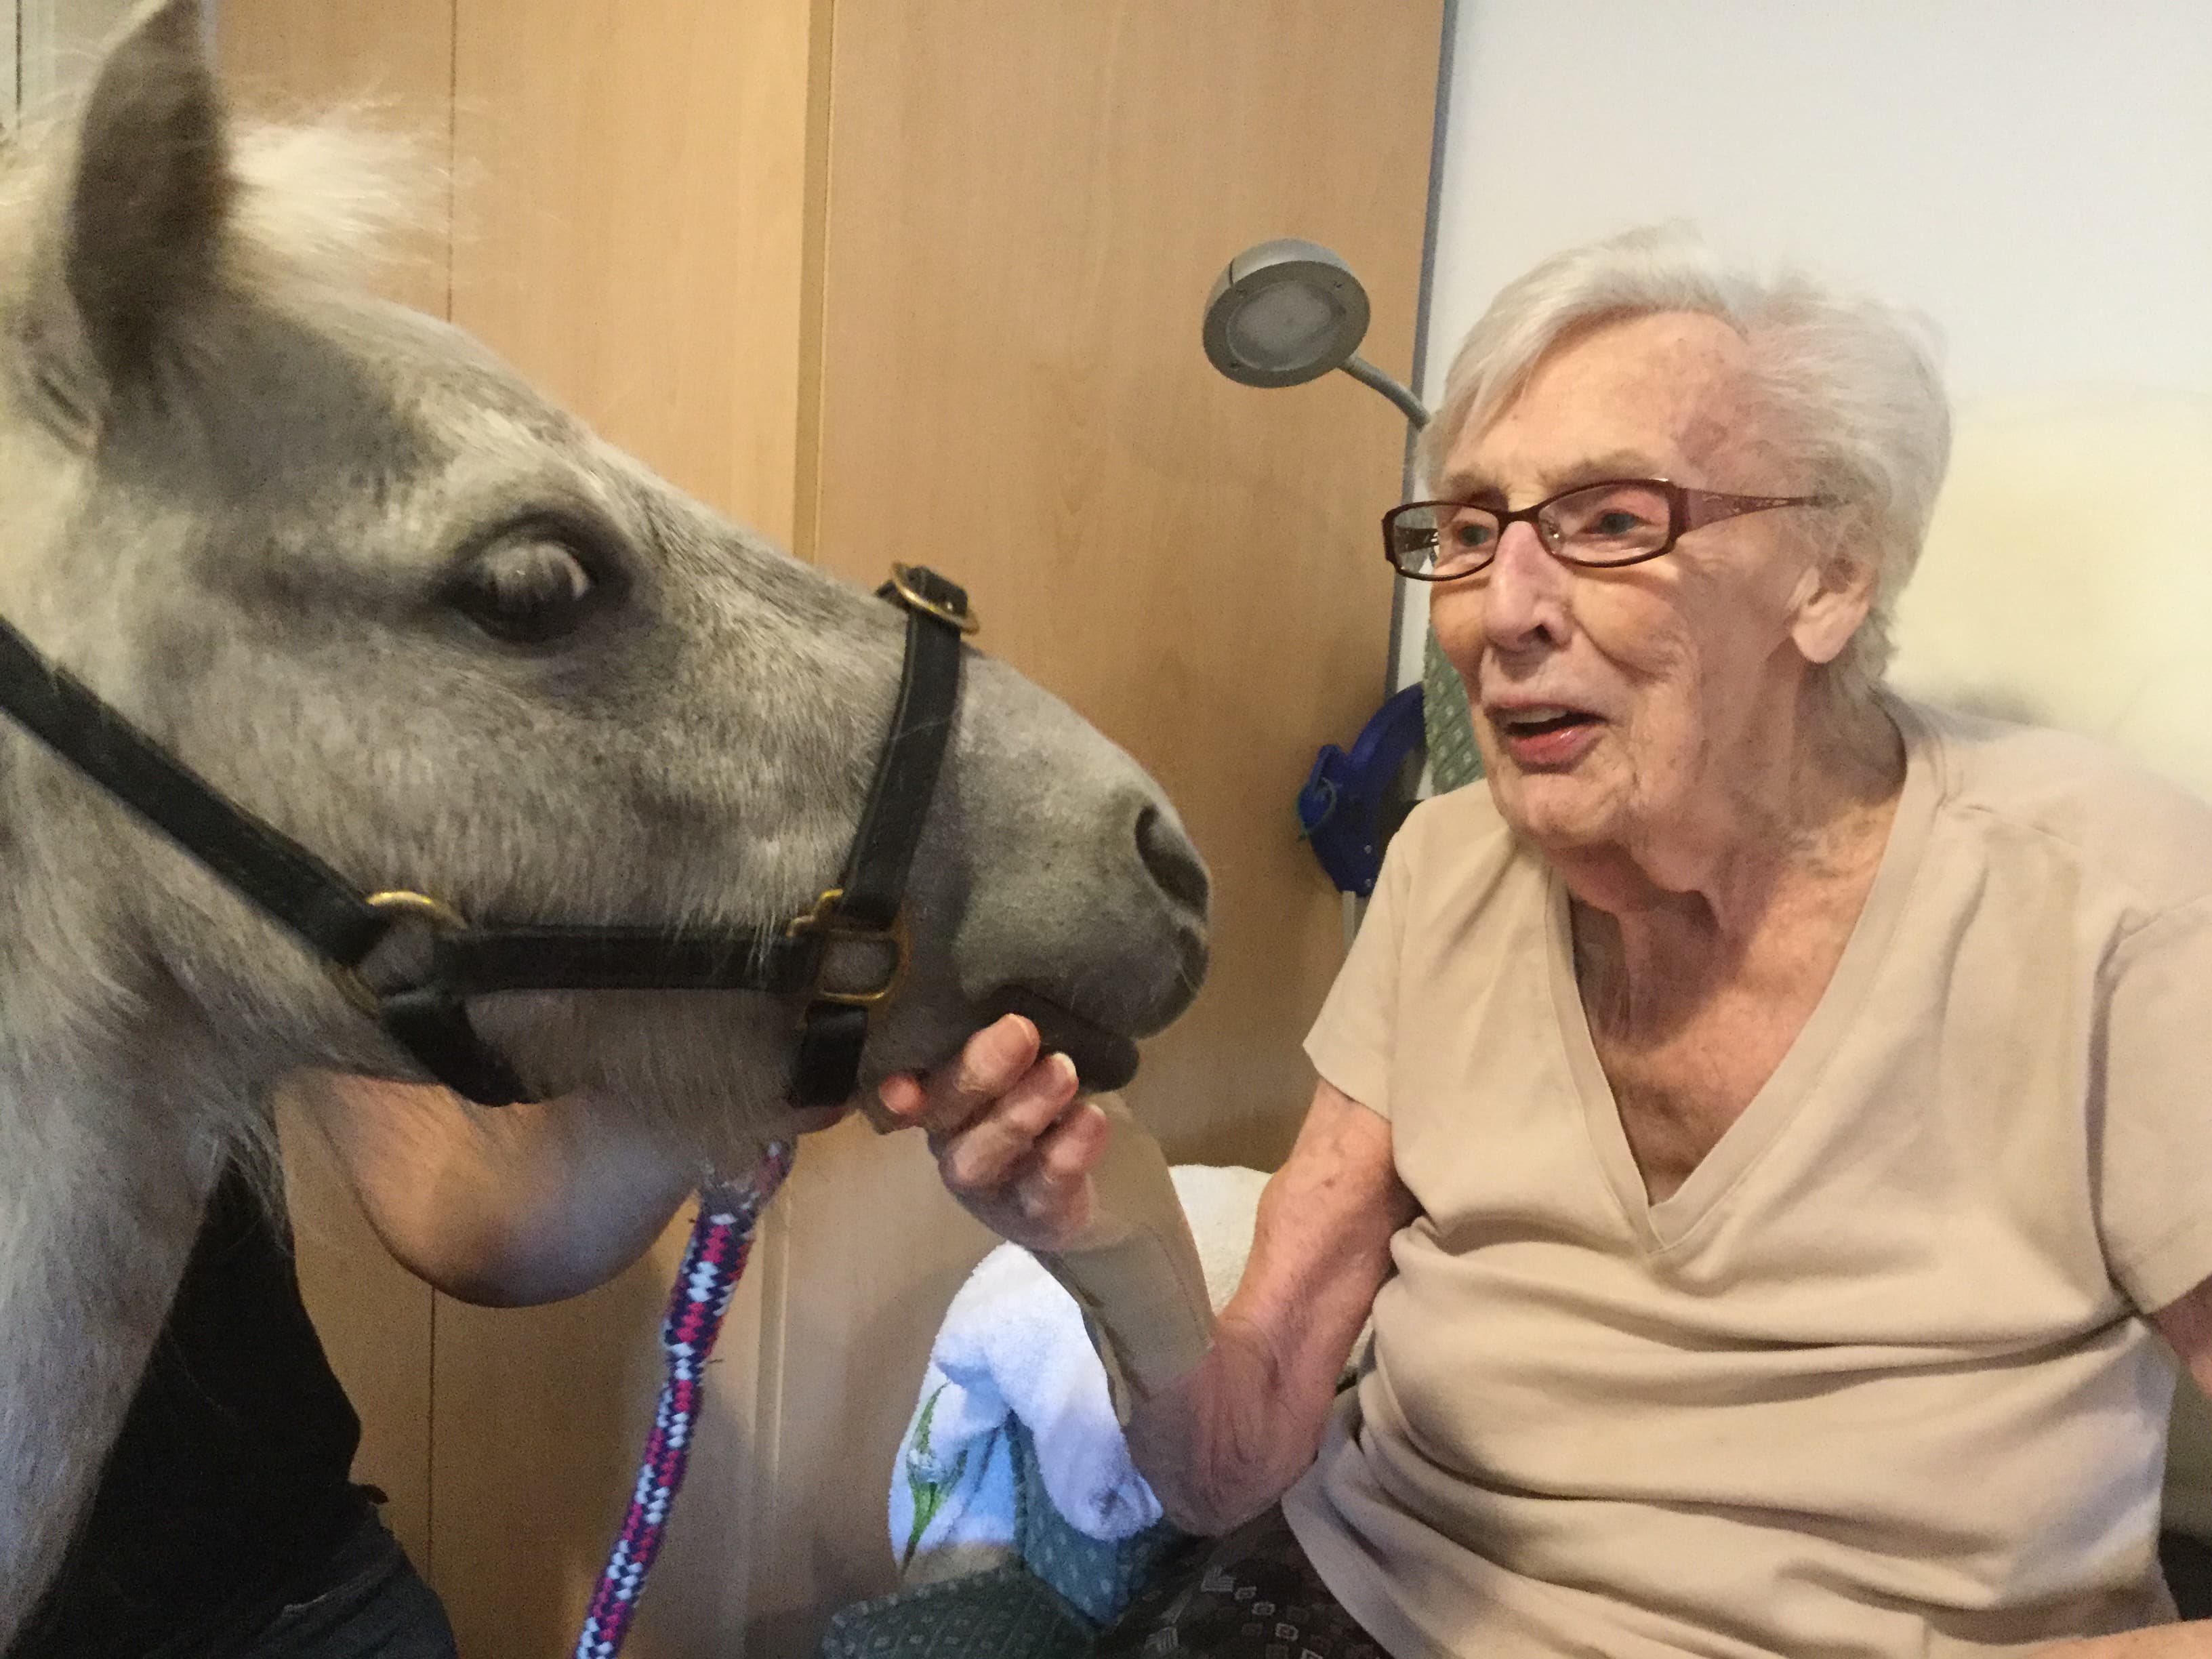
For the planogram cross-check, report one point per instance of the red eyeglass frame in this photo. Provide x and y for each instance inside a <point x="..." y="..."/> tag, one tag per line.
<point x="1687" y="510"/>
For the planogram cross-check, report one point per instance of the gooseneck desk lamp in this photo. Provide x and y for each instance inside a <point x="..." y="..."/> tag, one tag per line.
<point x="1284" y="313"/>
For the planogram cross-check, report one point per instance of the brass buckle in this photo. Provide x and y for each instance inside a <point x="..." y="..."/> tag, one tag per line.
<point x="421" y="906"/>
<point x="823" y="919"/>
<point x="910" y="594"/>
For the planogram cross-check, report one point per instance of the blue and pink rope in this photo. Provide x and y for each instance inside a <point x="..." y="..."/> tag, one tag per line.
<point x="721" y="1239"/>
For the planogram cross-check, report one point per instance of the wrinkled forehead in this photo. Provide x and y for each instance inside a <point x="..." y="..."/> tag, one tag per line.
<point x="1665" y="395"/>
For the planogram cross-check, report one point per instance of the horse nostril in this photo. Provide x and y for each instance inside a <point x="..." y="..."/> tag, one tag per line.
<point x="1172" y="860"/>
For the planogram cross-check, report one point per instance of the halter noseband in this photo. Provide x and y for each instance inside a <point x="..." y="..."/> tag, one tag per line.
<point x="807" y="956"/>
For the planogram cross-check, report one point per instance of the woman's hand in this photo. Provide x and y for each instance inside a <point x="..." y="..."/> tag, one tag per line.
<point x="1011" y="1141"/>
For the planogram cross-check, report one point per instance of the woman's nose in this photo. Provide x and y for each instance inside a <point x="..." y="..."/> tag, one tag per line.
<point x="1524" y="597"/>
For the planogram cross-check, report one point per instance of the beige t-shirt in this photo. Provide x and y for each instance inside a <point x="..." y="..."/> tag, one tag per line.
<point x="1874" y="1381"/>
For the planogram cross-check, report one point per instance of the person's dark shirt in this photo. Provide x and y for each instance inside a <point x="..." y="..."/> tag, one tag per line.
<point x="230" y="1485"/>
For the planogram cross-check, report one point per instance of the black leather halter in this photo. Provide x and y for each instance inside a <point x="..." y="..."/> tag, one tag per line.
<point x="811" y="958"/>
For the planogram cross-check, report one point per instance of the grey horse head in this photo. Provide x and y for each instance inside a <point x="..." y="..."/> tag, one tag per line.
<point x="342" y="561"/>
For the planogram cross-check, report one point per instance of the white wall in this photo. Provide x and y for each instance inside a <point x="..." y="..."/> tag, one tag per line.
<point x="2035" y="174"/>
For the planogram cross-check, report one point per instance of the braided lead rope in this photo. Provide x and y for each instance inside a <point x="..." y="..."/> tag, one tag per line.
<point x="721" y="1239"/>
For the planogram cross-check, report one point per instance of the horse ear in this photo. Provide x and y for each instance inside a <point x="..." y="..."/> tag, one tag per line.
<point x="152" y="190"/>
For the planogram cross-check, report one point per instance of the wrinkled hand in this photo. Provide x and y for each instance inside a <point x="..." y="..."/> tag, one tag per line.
<point x="1011" y="1141"/>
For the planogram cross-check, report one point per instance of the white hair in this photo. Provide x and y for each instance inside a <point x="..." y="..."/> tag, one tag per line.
<point x="1847" y="387"/>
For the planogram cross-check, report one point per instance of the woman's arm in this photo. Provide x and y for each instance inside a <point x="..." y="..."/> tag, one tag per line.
<point x="507" y="1207"/>
<point x="1017" y="1148"/>
<point x="1229" y="1439"/>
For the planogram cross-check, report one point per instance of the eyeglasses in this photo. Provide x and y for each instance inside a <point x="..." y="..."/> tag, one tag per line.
<point x="1600" y="526"/>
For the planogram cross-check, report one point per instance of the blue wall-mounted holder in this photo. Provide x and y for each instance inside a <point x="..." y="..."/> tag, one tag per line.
<point x="1354" y="801"/>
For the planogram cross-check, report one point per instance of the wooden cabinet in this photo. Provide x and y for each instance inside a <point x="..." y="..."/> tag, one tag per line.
<point x="835" y="265"/>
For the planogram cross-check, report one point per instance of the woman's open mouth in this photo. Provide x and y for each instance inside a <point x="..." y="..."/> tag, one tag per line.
<point x="1544" y="737"/>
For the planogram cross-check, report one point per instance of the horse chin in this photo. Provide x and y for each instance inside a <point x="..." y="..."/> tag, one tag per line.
<point x="811" y="1119"/>
<point x="1103" y="1058"/>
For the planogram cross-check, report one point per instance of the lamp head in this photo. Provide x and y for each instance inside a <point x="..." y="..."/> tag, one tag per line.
<point x="1284" y="313"/>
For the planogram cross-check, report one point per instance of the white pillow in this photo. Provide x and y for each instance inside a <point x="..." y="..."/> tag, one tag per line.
<point x="2068" y="576"/>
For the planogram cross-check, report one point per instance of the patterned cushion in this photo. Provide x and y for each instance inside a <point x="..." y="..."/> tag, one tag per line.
<point x="1006" y="1613"/>
<point x="1098" y="1579"/>
<point x="1454" y="761"/>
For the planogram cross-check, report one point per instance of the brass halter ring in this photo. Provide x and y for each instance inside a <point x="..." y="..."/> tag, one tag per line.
<point x="910" y="591"/>
<point x="823" y="919"/>
<point x="421" y="906"/>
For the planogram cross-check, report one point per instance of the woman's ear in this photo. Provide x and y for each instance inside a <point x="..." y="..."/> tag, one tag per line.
<point x="1833" y="598"/>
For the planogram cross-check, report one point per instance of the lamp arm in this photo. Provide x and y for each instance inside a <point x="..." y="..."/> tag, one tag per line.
<point x="1367" y="374"/>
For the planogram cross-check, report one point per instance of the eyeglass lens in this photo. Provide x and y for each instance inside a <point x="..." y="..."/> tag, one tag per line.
<point x="1606" y="524"/>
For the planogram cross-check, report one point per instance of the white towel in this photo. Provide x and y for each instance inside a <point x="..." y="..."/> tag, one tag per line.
<point x="1013" y="1345"/>
<point x="952" y="1491"/>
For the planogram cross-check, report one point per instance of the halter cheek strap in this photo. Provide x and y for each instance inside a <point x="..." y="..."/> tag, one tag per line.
<point x="866" y="907"/>
<point x="811" y="956"/>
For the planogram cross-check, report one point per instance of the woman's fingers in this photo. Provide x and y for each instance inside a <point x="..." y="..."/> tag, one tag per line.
<point x="996" y="1141"/>
<point x="903" y="1096"/>
<point x="1055" y="1187"/>
<point x="989" y="1064"/>
<point x="1011" y="1140"/>
<point x="992" y="1062"/>
<point x="1072" y="1147"/>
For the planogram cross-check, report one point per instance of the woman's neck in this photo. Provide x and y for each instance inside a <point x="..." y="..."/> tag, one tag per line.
<point x="1768" y="843"/>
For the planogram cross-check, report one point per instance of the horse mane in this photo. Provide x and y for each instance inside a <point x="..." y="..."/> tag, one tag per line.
<point x="322" y="203"/>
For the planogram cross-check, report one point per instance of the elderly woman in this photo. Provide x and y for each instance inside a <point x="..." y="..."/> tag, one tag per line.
<point x="1768" y="1124"/>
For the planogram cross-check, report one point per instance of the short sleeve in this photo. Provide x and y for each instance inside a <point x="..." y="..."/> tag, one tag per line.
<point x="1351" y="1042"/>
<point x="2155" y="1186"/>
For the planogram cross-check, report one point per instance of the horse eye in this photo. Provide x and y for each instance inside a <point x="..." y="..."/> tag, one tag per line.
<point x="526" y="593"/>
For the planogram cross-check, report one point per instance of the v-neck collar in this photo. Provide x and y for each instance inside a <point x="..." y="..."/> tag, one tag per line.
<point x="1667" y="1223"/>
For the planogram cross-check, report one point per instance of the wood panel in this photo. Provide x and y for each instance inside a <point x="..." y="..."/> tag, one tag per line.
<point x="392" y="62"/>
<point x="629" y="231"/>
<point x="868" y="1252"/>
<point x="1026" y="206"/>
<point x="375" y="1321"/>
<point x="540" y="1415"/>
<point x="631" y="178"/>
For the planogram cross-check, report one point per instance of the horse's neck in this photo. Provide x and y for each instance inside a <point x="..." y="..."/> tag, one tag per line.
<point x="116" y="1114"/>
<point x="120" y="1103"/>
<point x="102" y="1184"/>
